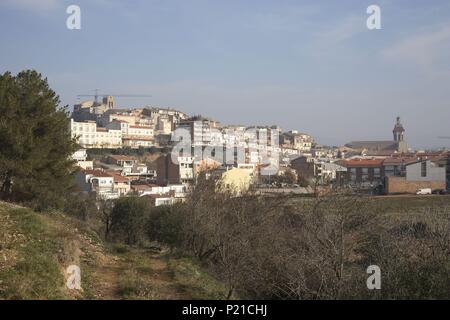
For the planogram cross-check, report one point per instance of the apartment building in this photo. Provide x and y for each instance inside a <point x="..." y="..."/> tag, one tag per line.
<point x="107" y="138"/>
<point x="296" y="140"/>
<point x="165" y="124"/>
<point x="156" y="112"/>
<point x="133" y="136"/>
<point x="131" y="116"/>
<point x="88" y="135"/>
<point x="169" y="172"/>
<point x="324" y="170"/>
<point x="363" y="172"/>
<point x="200" y="129"/>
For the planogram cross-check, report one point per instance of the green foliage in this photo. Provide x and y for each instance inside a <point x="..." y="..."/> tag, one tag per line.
<point x="194" y="280"/>
<point x="35" y="142"/>
<point x="83" y="207"/>
<point x="165" y="225"/>
<point x="128" y="219"/>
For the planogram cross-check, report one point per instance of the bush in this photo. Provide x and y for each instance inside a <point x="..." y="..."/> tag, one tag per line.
<point x="129" y="218"/>
<point x="165" y="225"/>
<point x="82" y="207"/>
<point x="285" y="248"/>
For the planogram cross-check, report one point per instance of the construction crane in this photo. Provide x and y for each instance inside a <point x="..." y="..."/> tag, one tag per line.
<point x="96" y="95"/>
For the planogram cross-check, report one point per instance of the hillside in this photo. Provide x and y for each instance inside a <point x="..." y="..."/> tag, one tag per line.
<point x="35" y="250"/>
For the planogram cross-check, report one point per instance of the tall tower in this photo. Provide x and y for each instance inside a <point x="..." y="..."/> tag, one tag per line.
<point x="109" y="102"/>
<point x="399" y="131"/>
<point x="399" y="136"/>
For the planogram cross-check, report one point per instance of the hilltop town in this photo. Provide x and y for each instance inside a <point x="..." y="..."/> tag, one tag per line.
<point x="159" y="152"/>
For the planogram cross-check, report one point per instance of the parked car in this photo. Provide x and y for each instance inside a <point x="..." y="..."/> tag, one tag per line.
<point x="424" y="191"/>
<point x="440" y="191"/>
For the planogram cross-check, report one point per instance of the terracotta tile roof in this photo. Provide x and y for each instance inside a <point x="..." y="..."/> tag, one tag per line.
<point x="381" y="153"/>
<point x="137" y="187"/>
<point x="122" y="158"/>
<point x="97" y="173"/>
<point x="118" y="177"/>
<point x="364" y="163"/>
<point x="398" y="160"/>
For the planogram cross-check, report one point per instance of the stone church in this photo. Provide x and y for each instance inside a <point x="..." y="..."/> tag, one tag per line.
<point x="398" y="144"/>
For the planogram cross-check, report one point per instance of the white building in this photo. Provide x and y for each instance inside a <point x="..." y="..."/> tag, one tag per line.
<point x="300" y="141"/>
<point x="108" y="138"/>
<point x="425" y="170"/>
<point x="186" y="167"/>
<point x="88" y="135"/>
<point x="133" y="136"/>
<point x="97" y="182"/>
<point x="80" y="155"/>
<point x="165" y="124"/>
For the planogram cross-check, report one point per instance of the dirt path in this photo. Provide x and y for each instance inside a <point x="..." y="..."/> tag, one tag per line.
<point x="136" y="274"/>
<point x="107" y="271"/>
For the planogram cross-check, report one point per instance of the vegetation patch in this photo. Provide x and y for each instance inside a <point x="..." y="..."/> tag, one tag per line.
<point x="36" y="273"/>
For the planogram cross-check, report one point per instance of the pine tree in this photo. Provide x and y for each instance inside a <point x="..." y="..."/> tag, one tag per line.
<point x="35" y="142"/>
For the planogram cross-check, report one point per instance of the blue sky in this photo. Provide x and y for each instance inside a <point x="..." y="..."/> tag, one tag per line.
<point x="306" y="65"/>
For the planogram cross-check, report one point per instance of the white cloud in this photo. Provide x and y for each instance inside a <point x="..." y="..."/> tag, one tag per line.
<point x="427" y="50"/>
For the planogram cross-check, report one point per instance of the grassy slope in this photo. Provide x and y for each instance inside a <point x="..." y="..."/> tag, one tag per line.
<point x="35" y="250"/>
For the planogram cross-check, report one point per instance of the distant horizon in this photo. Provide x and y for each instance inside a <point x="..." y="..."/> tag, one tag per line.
<point x="312" y="66"/>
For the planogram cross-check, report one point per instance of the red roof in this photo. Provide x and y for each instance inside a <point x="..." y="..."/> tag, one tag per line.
<point x="122" y="158"/>
<point x="363" y="163"/>
<point x="97" y="173"/>
<point x="398" y="160"/>
<point x="118" y="178"/>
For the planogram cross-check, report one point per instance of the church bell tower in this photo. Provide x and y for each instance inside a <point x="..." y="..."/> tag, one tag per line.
<point x="399" y="136"/>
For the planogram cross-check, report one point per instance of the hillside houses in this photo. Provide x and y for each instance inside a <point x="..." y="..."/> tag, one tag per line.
<point x="196" y="144"/>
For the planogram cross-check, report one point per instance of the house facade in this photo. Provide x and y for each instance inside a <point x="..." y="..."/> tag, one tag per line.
<point x="418" y="175"/>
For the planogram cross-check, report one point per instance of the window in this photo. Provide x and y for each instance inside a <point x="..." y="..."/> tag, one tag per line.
<point x="353" y="174"/>
<point x="376" y="172"/>
<point x="423" y="169"/>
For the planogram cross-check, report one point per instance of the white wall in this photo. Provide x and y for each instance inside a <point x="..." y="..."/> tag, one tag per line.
<point x="434" y="173"/>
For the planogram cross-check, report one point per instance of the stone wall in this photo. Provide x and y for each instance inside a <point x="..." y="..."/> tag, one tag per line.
<point x="401" y="185"/>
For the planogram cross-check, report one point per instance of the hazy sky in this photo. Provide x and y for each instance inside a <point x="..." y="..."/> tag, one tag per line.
<point x="306" y="65"/>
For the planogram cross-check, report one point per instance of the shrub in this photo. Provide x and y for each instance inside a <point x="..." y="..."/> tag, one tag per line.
<point x="128" y="219"/>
